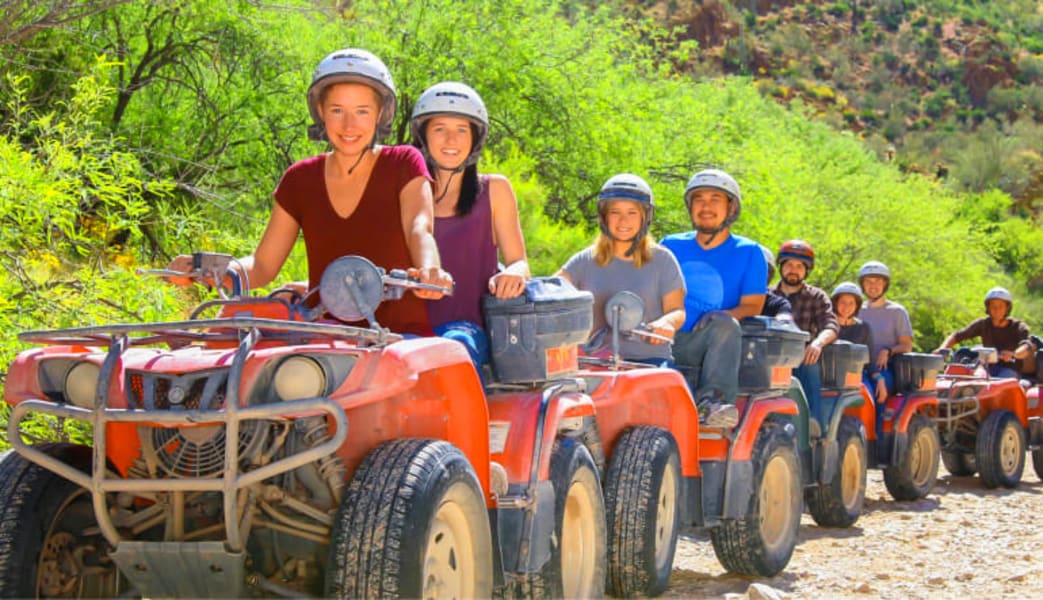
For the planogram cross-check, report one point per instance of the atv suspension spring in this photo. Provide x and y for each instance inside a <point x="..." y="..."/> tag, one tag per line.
<point x="331" y="468"/>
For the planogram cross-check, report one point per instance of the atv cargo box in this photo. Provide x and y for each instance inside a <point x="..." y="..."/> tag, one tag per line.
<point x="915" y="372"/>
<point x="770" y="349"/>
<point x="842" y="364"/>
<point x="536" y="336"/>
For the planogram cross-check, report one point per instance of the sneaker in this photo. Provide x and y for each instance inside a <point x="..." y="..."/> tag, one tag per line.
<point x="714" y="413"/>
<point x="722" y="415"/>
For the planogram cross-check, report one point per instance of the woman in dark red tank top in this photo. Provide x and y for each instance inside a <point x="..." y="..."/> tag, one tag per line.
<point x="474" y="215"/>
<point x="359" y="198"/>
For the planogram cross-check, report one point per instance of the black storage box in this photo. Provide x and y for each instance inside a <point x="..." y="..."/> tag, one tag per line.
<point x="842" y="364"/>
<point x="915" y="372"/>
<point x="770" y="349"/>
<point x="536" y="336"/>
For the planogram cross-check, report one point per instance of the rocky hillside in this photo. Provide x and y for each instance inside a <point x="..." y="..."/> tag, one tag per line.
<point x="953" y="89"/>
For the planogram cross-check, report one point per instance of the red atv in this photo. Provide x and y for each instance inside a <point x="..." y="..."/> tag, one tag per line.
<point x="664" y="471"/>
<point x="985" y="422"/>
<point x="257" y="452"/>
<point x="904" y="443"/>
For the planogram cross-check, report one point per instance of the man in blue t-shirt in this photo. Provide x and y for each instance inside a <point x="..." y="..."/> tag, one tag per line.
<point x="725" y="277"/>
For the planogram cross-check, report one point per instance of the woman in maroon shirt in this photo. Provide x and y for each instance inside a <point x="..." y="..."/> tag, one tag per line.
<point x="475" y="215"/>
<point x="359" y="198"/>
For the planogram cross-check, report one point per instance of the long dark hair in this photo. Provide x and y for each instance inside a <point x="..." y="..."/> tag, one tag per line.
<point x="470" y="185"/>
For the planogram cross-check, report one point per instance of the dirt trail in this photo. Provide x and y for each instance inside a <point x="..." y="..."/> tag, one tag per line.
<point x="961" y="541"/>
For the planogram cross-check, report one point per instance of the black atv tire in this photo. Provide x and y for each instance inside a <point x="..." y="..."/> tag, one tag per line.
<point x="761" y="543"/>
<point x="1037" y="461"/>
<point x="412" y="524"/>
<point x="41" y="517"/>
<point x="959" y="464"/>
<point x="1000" y="450"/>
<point x="912" y="475"/>
<point x="642" y="501"/>
<point x="577" y="564"/>
<point x="838" y="503"/>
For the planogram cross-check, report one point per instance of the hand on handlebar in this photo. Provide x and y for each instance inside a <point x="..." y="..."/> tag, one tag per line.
<point x="182" y="264"/>
<point x="664" y="332"/>
<point x="431" y="276"/>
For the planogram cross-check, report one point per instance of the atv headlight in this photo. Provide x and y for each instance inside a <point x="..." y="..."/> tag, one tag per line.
<point x="299" y="377"/>
<point x="81" y="383"/>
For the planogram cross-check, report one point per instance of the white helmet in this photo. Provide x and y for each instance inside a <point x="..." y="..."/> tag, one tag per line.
<point x="718" y="180"/>
<point x="627" y="186"/>
<point x="352" y="65"/>
<point x="877" y="268"/>
<point x="454" y="99"/>
<point x="999" y="293"/>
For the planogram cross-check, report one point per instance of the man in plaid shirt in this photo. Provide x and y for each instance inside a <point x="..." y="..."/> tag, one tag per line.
<point x="812" y="312"/>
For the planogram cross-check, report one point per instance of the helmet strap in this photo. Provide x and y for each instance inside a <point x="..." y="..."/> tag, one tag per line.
<point x="445" y="190"/>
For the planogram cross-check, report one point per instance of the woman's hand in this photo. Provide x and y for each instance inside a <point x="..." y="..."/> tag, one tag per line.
<point x="183" y="264"/>
<point x="663" y="328"/>
<point x="506" y="285"/>
<point x="432" y="276"/>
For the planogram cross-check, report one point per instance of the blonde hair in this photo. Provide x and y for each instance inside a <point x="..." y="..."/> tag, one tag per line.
<point x="603" y="245"/>
<point x="604" y="251"/>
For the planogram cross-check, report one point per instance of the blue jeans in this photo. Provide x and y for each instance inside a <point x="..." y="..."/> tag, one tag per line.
<point x="708" y="356"/>
<point x="810" y="377"/>
<point x="1003" y="371"/>
<point x="889" y="381"/>
<point x="472" y="337"/>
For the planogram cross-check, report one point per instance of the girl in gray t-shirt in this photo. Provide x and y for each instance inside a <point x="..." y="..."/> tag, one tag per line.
<point x="624" y="258"/>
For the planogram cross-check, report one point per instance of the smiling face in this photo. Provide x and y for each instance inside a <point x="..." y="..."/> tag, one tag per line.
<point x="449" y="140"/>
<point x="623" y="218"/>
<point x="845" y="305"/>
<point x="708" y="208"/>
<point x="350" y="112"/>
<point x="874" y="286"/>
<point x="793" y="271"/>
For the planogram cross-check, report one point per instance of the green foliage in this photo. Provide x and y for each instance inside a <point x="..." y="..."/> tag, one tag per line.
<point x="158" y="153"/>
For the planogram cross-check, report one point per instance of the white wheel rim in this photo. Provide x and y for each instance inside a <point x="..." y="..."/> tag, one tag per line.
<point x="776" y="495"/>
<point x="666" y="516"/>
<point x="921" y="457"/>
<point x="1010" y="450"/>
<point x="579" y="541"/>
<point x="449" y="555"/>
<point x="851" y="477"/>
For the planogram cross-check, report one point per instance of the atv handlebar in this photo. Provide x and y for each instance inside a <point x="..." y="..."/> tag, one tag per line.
<point x="397" y="281"/>
<point x="210" y="269"/>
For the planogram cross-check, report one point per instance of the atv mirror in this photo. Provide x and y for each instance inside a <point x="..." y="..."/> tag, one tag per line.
<point x="352" y="288"/>
<point x="624" y="311"/>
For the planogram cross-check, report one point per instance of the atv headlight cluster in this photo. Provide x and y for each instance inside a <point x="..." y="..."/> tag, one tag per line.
<point x="299" y="377"/>
<point x="81" y="383"/>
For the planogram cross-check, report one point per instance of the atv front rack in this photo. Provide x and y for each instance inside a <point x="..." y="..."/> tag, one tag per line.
<point x="232" y="483"/>
<point x="202" y="330"/>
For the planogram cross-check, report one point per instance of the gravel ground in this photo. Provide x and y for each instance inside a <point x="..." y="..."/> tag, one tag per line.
<point x="961" y="541"/>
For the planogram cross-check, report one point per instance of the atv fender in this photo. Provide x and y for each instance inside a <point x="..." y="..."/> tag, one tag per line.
<point x="912" y="404"/>
<point x="651" y="397"/>
<point x="830" y="450"/>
